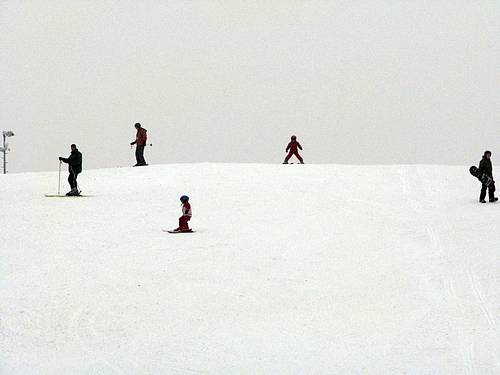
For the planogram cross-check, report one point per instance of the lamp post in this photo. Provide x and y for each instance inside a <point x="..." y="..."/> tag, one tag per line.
<point x="5" y="134"/>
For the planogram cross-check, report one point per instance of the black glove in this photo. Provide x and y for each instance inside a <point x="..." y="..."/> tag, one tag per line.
<point x="60" y="158"/>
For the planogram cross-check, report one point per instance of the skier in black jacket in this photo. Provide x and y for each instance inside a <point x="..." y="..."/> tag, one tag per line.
<point x="74" y="162"/>
<point x="486" y="167"/>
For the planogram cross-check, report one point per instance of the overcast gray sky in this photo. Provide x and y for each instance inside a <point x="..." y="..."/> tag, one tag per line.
<point x="361" y="82"/>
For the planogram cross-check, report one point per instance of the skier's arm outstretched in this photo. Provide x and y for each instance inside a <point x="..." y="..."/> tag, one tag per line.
<point x="73" y="160"/>
<point x="299" y="146"/>
<point x="288" y="147"/>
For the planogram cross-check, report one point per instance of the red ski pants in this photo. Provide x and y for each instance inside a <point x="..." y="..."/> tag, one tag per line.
<point x="183" y="222"/>
<point x="291" y="153"/>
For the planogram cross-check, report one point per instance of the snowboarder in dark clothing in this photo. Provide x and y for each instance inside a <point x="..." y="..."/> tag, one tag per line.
<point x="486" y="167"/>
<point x="74" y="162"/>
<point x="140" y="141"/>
<point x="292" y="149"/>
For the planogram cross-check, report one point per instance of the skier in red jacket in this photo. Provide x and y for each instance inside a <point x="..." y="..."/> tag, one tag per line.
<point x="292" y="149"/>
<point x="140" y="141"/>
<point x="186" y="215"/>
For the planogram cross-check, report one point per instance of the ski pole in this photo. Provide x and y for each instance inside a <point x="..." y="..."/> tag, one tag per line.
<point x="59" y="185"/>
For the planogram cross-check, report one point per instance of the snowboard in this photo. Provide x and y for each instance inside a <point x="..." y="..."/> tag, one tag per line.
<point x="485" y="180"/>
<point x="173" y="231"/>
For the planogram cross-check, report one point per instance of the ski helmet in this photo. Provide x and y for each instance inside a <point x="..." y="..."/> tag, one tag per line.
<point x="294" y="138"/>
<point x="184" y="198"/>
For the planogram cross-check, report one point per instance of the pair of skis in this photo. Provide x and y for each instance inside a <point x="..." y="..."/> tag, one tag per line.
<point x="178" y="231"/>
<point x="66" y="196"/>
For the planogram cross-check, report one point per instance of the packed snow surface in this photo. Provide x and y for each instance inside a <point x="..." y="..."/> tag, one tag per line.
<point x="293" y="269"/>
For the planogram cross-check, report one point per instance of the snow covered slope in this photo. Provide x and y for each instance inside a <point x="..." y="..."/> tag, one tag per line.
<point x="294" y="269"/>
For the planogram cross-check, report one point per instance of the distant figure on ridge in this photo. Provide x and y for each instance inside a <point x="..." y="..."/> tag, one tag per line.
<point x="292" y="149"/>
<point x="140" y="141"/>
<point x="74" y="162"/>
<point x="186" y="216"/>
<point x="486" y="167"/>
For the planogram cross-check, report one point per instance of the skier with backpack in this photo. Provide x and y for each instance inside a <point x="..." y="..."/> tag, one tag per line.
<point x="74" y="162"/>
<point x="293" y="149"/>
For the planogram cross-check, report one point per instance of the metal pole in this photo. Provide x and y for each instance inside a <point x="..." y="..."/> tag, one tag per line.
<point x="59" y="186"/>
<point x="4" y="155"/>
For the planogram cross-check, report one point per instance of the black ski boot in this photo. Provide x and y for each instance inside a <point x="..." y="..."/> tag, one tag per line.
<point x="73" y="192"/>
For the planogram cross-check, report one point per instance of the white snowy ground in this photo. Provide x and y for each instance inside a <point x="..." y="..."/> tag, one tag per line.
<point x="294" y="269"/>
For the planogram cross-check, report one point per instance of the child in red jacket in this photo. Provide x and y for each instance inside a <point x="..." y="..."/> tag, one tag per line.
<point x="186" y="215"/>
<point x="293" y="147"/>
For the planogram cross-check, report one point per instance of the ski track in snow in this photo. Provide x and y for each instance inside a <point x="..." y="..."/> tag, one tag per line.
<point x="466" y="335"/>
<point x="76" y="325"/>
<point x="395" y="279"/>
<point x="465" y="339"/>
